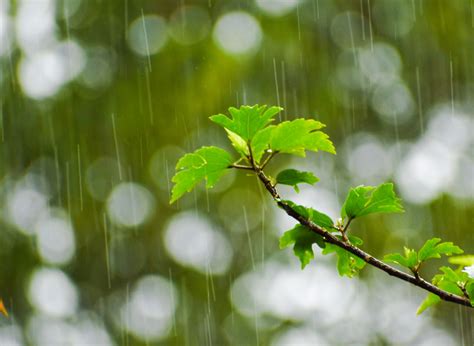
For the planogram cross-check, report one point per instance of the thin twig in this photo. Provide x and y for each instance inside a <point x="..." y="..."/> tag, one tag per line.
<point x="344" y="230"/>
<point x="251" y="159"/>
<point x="268" y="158"/>
<point x="330" y="238"/>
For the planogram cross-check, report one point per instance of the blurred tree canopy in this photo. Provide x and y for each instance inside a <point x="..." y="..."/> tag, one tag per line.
<point x="100" y="98"/>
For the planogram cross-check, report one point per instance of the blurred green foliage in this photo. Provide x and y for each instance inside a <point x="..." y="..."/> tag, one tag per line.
<point x="153" y="109"/>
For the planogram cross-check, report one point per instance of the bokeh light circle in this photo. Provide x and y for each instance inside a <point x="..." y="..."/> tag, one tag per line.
<point x="53" y="293"/>
<point x="393" y="103"/>
<point x="380" y="63"/>
<point x="149" y="313"/>
<point x="55" y="237"/>
<point x="193" y="241"/>
<point x="130" y="204"/>
<point x="238" y="33"/>
<point x="24" y="206"/>
<point x="43" y="73"/>
<point x="147" y="35"/>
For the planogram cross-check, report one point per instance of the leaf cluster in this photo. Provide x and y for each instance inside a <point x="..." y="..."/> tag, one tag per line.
<point x="254" y="140"/>
<point x="433" y="248"/>
<point x="455" y="282"/>
<point x="257" y="140"/>
<point x="452" y="281"/>
<point x="365" y="200"/>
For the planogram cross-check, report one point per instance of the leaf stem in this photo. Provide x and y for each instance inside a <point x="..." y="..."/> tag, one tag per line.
<point x="344" y="230"/>
<point x="268" y="158"/>
<point x="249" y="168"/>
<point x="255" y="167"/>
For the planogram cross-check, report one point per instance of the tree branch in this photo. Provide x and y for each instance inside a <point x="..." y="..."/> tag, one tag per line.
<point x="344" y="230"/>
<point x="330" y="238"/>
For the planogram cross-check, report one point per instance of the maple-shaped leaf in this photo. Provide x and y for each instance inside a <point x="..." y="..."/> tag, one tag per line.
<point x="408" y="260"/>
<point x="303" y="240"/>
<point x="292" y="137"/>
<point x="297" y="136"/>
<point x="315" y="216"/>
<point x="206" y="163"/>
<point x="430" y="300"/>
<point x="261" y="142"/>
<point x="434" y="249"/>
<point x="294" y="177"/>
<point x="364" y="200"/>
<point x="246" y="121"/>
<point x="238" y="143"/>
<point x="347" y="264"/>
<point x="450" y="281"/>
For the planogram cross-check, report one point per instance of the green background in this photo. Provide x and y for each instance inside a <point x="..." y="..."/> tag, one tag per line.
<point x="146" y="112"/>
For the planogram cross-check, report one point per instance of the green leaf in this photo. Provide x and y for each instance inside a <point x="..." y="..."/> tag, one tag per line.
<point x="303" y="211"/>
<point x="450" y="280"/>
<point x="470" y="290"/>
<point x="430" y="300"/>
<point x="238" y="143"/>
<point x="396" y="258"/>
<point x="431" y="249"/>
<point x="303" y="240"/>
<point x="209" y="163"/>
<point x="453" y="276"/>
<point x="261" y="143"/>
<point x="356" y="201"/>
<point x="297" y="136"/>
<point x="364" y="200"/>
<point x="293" y="177"/>
<point x="321" y="220"/>
<point x="450" y="287"/>
<point x="409" y="260"/>
<point x="247" y="120"/>
<point x="292" y="137"/>
<point x="347" y="263"/>
<point x="464" y="261"/>
<point x="457" y="277"/>
<point x="318" y="218"/>
<point x="412" y="258"/>
<point x="355" y="240"/>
